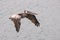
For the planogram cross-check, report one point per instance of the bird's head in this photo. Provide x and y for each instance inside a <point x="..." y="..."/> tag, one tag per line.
<point x="25" y="11"/>
<point x="29" y="12"/>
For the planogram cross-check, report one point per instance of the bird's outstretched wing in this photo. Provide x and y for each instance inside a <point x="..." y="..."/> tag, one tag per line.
<point x="17" y="24"/>
<point x="33" y="19"/>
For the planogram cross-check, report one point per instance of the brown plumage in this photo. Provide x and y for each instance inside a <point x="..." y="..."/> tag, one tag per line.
<point x="33" y="19"/>
<point x="16" y="19"/>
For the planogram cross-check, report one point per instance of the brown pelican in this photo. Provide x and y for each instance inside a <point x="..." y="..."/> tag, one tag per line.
<point x="27" y="14"/>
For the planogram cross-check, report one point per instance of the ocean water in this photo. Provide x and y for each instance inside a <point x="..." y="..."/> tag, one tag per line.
<point x="48" y="15"/>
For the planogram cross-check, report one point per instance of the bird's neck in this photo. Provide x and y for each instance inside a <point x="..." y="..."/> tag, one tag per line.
<point x="22" y="15"/>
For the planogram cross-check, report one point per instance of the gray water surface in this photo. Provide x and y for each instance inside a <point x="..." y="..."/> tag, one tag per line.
<point x="48" y="15"/>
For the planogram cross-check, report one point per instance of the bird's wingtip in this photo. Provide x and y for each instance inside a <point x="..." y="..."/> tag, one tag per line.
<point x="38" y="24"/>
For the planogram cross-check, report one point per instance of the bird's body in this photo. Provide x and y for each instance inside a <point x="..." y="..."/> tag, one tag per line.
<point x="17" y="17"/>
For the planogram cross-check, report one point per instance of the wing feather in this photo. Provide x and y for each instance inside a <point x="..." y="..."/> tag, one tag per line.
<point x="33" y="19"/>
<point x="17" y="24"/>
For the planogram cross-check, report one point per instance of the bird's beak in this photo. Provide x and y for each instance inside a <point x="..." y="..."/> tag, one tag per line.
<point x="25" y="11"/>
<point x="34" y="13"/>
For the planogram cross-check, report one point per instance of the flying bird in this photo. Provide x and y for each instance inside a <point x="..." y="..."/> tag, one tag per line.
<point x="27" y="14"/>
